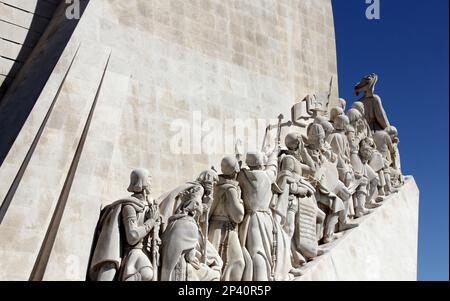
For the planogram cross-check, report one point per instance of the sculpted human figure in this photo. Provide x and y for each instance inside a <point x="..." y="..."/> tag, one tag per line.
<point x="335" y="112"/>
<point x="121" y="249"/>
<point x="183" y="248"/>
<point x="374" y="111"/>
<point x="342" y="103"/>
<point x="385" y="146"/>
<point x="340" y="146"/>
<point x="227" y="212"/>
<point x="170" y="201"/>
<point x="267" y="244"/>
<point x="362" y="170"/>
<point x="356" y="116"/>
<point x="331" y="194"/>
<point x="326" y="125"/>
<point x="296" y="207"/>
<point x="395" y="166"/>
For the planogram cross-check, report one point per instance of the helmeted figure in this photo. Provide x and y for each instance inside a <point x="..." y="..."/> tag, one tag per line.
<point x="183" y="248"/>
<point x="374" y="111"/>
<point x="265" y="240"/>
<point x="335" y="112"/>
<point x="296" y="207"/>
<point x="331" y="193"/>
<point x="121" y="249"/>
<point x="227" y="212"/>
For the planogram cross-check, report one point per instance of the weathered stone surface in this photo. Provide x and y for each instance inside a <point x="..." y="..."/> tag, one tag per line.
<point x="169" y="60"/>
<point x="382" y="248"/>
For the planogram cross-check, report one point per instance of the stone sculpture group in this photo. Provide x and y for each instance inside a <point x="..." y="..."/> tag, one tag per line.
<point x="262" y="218"/>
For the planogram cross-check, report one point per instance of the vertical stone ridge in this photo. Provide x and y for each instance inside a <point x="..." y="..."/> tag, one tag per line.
<point x="13" y="188"/>
<point x="40" y="265"/>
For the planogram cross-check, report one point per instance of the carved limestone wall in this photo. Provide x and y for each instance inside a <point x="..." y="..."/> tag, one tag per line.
<point x="128" y="71"/>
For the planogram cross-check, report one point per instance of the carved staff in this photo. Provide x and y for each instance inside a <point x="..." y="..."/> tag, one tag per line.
<point x="206" y="225"/>
<point x="155" y="248"/>
<point x="155" y="241"/>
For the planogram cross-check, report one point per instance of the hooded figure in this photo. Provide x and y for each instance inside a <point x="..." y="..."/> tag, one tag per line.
<point x="182" y="248"/>
<point x="169" y="202"/>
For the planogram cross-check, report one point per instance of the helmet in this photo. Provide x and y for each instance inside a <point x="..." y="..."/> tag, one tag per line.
<point x="341" y="122"/>
<point x="292" y="141"/>
<point x="139" y="181"/>
<point x="354" y="115"/>
<point x="208" y="176"/>
<point x="349" y="129"/>
<point x="335" y="112"/>
<point x="342" y="103"/>
<point x="254" y="159"/>
<point x="392" y="130"/>
<point x="316" y="131"/>
<point x="229" y="166"/>
<point x="359" y="106"/>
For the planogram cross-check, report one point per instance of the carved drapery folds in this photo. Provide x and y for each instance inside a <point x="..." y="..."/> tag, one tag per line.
<point x="262" y="219"/>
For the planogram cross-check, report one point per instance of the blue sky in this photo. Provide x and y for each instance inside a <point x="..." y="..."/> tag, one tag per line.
<point x="408" y="48"/>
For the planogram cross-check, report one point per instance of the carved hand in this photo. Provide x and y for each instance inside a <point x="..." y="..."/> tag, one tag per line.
<point x="192" y="258"/>
<point x="152" y="213"/>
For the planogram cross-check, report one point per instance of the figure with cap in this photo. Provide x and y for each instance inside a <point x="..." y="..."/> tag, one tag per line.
<point x="264" y="239"/>
<point x="227" y="212"/>
<point x="334" y="113"/>
<point x="120" y="249"/>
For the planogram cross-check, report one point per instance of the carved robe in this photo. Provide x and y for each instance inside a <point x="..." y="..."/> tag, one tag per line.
<point x="227" y="212"/>
<point x="113" y="244"/>
<point x="299" y="214"/>
<point x="339" y="144"/>
<point x="181" y="236"/>
<point x="259" y="233"/>
<point x="169" y="202"/>
<point x="374" y="112"/>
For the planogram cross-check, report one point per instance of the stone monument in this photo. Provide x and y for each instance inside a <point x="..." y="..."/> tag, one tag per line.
<point x="150" y="87"/>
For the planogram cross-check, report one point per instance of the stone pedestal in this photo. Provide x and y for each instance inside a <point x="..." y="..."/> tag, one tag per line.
<point x="382" y="248"/>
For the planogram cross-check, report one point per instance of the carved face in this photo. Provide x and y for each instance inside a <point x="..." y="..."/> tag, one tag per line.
<point x="366" y="84"/>
<point x="140" y="180"/>
<point x="350" y="136"/>
<point x="208" y="186"/>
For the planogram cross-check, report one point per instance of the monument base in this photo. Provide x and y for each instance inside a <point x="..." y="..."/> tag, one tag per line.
<point x="382" y="248"/>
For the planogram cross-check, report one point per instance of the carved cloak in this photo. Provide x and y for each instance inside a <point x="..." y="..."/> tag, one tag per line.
<point x="108" y="241"/>
<point x="181" y="236"/>
<point x="169" y="202"/>
<point x="374" y="112"/>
